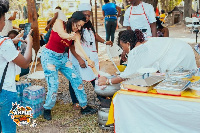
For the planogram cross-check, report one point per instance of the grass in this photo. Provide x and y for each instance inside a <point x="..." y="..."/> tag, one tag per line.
<point x="65" y="120"/>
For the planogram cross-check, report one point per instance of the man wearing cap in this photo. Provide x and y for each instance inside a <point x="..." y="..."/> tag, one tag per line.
<point x="88" y="43"/>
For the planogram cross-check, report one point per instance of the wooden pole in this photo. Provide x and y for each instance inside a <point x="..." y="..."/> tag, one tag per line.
<point x="96" y="23"/>
<point x="92" y="16"/>
<point x="32" y="18"/>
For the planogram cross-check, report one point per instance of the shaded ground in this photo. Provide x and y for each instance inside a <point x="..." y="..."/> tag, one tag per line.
<point x="65" y="119"/>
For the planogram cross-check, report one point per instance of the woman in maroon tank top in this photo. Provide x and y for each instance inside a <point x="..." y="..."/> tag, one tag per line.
<point x="55" y="59"/>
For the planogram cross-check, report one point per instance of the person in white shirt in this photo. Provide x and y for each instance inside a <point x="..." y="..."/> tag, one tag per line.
<point x="58" y="14"/>
<point x="162" y="54"/>
<point x="141" y="15"/>
<point x="10" y="56"/>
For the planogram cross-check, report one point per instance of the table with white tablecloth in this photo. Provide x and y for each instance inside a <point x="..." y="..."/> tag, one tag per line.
<point x="137" y="112"/>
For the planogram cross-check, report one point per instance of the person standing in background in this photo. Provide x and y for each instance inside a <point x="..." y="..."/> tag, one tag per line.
<point x="141" y="15"/>
<point x="161" y="30"/>
<point x="162" y="16"/>
<point x="8" y="24"/>
<point x="110" y="11"/>
<point x="88" y="43"/>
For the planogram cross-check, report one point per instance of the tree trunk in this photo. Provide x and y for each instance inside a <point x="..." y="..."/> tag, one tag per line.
<point x="187" y="8"/>
<point x="154" y="3"/>
<point x="32" y="18"/>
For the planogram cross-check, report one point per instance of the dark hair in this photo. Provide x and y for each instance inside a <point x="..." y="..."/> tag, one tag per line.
<point x="13" y="32"/>
<point x="162" y="11"/>
<point x="88" y="25"/>
<point x="159" y="23"/>
<point x="76" y="16"/>
<point x="119" y="35"/>
<point x="58" y="7"/>
<point x="132" y="37"/>
<point x="106" y="1"/>
<point x="4" y="7"/>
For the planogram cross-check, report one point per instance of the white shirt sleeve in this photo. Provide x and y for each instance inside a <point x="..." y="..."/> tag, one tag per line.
<point x="126" y="17"/>
<point x="7" y="16"/>
<point x="151" y="14"/>
<point x="8" y="50"/>
<point x="132" y="66"/>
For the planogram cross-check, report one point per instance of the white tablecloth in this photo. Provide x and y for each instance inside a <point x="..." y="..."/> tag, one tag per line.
<point x="146" y="114"/>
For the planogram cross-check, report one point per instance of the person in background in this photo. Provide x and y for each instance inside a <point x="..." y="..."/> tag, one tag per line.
<point x="88" y="43"/>
<point x="45" y="38"/>
<point x="55" y="59"/>
<point x="10" y="56"/>
<point x="162" y="16"/>
<point x="161" y="31"/>
<point x="8" y="24"/>
<point x="141" y="15"/>
<point x="58" y="14"/>
<point x="21" y="46"/>
<point x="111" y="12"/>
<point x="160" y="53"/>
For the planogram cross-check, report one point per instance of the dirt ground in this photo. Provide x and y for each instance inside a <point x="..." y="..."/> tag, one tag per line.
<point x="67" y="120"/>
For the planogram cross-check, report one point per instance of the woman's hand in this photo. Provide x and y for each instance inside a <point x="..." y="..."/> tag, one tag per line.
<point x="102" y="81"/>
<point x="91" y="63"/>
<point x="109" y="43"/>
<point x="18" y="38"/>
<point x="82" y="63"/>
<point x="72" y="36"/>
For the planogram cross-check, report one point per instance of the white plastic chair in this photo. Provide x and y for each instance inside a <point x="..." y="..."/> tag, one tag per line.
<point x="36" y="74"/>
<point x="188" y="22"/>
<point x="195" y="20"/>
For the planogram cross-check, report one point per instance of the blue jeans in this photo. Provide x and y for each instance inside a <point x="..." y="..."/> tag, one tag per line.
<point x="6" y="99"/>
<point x="53" y="62"/>
<point x="110" y="25"/>
<point x="72" y="94"/>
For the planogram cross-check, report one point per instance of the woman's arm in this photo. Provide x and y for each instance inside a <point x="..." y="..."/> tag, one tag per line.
<point x="99" y="39"/>
<point x="104" y="81"/>
<point x="118" y="10"/>
<point x="103" y="13"/>
<point x="24" y="61"/>
<point x="52" y="21"/>
<point x="79" y="49"/>
<point x="153" y="29"/>
<point x="166" y="32"/>
<point x="59" y="28"/>
<point x="80" y="60"/>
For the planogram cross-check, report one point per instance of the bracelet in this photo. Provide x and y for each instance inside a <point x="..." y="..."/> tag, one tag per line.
<point x="107" y="82"/>
<point x="110" y="81"/>
<point x="104" y="42"/>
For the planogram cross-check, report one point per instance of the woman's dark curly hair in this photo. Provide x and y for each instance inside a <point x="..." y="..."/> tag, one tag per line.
<point x="131" y="36"/>
<point x="4" y="7"/>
